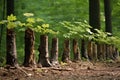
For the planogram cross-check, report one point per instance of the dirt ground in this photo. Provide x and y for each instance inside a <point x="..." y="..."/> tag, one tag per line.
<point x="70" y="71"/>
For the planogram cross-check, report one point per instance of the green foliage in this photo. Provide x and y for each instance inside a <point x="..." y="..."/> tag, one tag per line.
<point x="29" y="23"/>
<point x="77" y="30"/>
<point x="44" y="29"/>
<point x="106" y="38"/>
<point x="11" y="22"/>
<point x="114" y="40"/>
<point x="101" y="36"/>
<point x="36" y="24"/>
<point x="81" y="30"/>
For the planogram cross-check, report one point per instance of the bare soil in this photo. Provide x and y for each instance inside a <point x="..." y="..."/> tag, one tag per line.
<point x="70" y="71"/>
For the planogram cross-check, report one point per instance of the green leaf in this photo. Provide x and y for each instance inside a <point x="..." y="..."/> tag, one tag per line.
<point x="11" y="18"/>
<point x="30" y="20"/>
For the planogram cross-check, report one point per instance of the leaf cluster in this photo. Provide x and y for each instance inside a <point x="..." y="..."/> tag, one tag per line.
<point x="30" y="22"/>
<point x="101" y="36"/>
<point x="77" y="29"/>
<point x="44" y="29"/>
<point x="11" y="22"/>
<point x="106" y="38"/>
<point x="36" y="24"/>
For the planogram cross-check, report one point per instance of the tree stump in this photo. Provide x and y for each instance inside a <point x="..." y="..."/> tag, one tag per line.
<point x="54" y="52"/>
<point x="76" y="50"/>
<point x="66" y="51"/>
<point x="11" y="56"/>
<point x="43" y="52"/>
<point x="29" y="59"/>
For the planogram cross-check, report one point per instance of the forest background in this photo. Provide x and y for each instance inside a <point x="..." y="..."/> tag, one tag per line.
<point x="53" y="12"/>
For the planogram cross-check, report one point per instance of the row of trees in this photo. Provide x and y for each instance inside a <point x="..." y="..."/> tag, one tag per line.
<point x="76" y="29"/>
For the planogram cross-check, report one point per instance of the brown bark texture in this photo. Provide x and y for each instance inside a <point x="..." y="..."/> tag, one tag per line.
<point x="90" y="50"/>
<point x="54" y="52"/>
<point x="43" y="52"/>
<point x="29" y="59"/>
<point x="109" y="52"/>
<point x="99" y="51"/>
<point x="76" y="50"/>
<point x="66" y="51"/>
<point x="11" y="56"/>
<point x="95" y="52"/>
<point x="104" y="51"/>
<point x="84" y="53"/>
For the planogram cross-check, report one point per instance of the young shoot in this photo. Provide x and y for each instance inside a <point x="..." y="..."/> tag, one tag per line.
<point x="30" y="22"/>
<point x="11" y="22"/>
<point x="45" y="29"/>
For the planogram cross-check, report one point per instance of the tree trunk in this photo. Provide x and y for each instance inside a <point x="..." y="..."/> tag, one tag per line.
<point x="103" y="51"/>
<point x="108" y="24"/>
<point x="94" y="14"/>
<point x="109" y="52"/>
<point x="29" y="60"/>
<point x="10" y="7"/>
<point x="11" y="57"/>
<point x="84" y="49"/>
<point x="43" y="52"/>
<point x="99" y="53"/>
<point x="95" y="52"/>
<point x="107" y="9"/>
<point x="76" y="50"/>
<point x="90" y="50"/>
<point x="66" y="51"/>
<point x="94" y="20"/>
<point x="116" y="53"/>
<point x="54" y="52"/>
<point x="2" y="26"/>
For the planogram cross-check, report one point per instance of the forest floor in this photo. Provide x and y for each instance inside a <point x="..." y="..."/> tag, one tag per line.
<point x="71" y="71"/>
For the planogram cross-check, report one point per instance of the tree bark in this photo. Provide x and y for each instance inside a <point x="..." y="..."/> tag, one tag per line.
<point x="109" y="52"/>
<point x="94" y="14"/>
<point x="90" y="50"/>
<point x="107" y="10"/>
<point x="99" y="53"/>
<point x="76" y="50"/>
<point x="29" y="59"/>
<point x="84" y="53"/>
<point x="103" y="51"/>
<point x="10" y="7"/>
<point x="116" y="54"/>
<point x="95" y="52"/>
<point x="66" y="51"/>
<point x="54" y="52"/>
<point x="11" y="57"/>
<point x="2" y="26"/>
<point x="43" y="52"/>
<point x="11" y="54"/>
